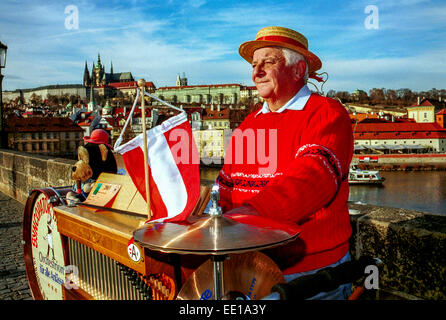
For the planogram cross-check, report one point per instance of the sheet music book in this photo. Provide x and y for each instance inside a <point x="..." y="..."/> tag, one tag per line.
<point x="103" y="194"/>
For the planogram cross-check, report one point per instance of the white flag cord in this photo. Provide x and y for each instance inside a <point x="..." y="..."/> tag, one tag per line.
<point x="119" y="141"/>
<point x="163" y="102"/>
<point x="141" y="84"/>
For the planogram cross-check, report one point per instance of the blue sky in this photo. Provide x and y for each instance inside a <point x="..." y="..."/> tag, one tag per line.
<point x="158" y="40"/>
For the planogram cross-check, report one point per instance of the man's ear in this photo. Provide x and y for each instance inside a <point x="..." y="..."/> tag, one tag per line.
<point x="104" y="151"/>
<point x="299" y="70"/>
<point x="82" y="154"/>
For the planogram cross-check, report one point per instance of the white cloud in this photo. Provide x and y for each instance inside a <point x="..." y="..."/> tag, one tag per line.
<point x="421" y="72"/>
<point x="157" y="41"/>
<point x="196" y="3"/>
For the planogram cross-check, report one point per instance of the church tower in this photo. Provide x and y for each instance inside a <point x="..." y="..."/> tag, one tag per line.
<point x="93" y="76"/>
<point x="92" y="104"/>
<point x="87" y="80"/>
<point x="181" y="81"/>
<point x="99" y="72"/>
<point x="107" y="110"/>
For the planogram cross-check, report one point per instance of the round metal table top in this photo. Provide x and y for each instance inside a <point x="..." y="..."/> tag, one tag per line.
<point x="217" y="235"/>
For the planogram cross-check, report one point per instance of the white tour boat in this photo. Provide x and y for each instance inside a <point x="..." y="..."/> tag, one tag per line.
<point x="358" y="176"/>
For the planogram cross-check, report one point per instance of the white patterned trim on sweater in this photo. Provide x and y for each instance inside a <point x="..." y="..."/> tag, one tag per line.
<point x="255" y="176"/>
<point x="307" y="146"/>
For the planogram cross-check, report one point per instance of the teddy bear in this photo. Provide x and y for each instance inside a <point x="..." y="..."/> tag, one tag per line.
<point x="94" y="157"/>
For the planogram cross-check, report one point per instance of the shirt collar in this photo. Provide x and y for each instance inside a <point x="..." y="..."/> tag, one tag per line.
<point x="297" y="102"/>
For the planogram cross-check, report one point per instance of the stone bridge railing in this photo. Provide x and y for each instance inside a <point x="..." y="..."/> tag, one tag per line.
<point x="21" y="172"/>
<point x="411" y="244"/>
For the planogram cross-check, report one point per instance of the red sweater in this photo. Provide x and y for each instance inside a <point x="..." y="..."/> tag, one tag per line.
<point x="304" y="181"/>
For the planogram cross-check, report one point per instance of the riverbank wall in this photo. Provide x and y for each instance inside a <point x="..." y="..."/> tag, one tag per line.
<point x="400" y="162"/>
<point x="411" y="244"/>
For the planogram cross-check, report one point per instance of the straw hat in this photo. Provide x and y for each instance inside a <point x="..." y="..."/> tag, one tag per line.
<point x="98" y="136"/>
<point x="282" y="37"/>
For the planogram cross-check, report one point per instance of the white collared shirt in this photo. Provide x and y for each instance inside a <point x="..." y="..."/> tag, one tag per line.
<point x="297" y="102"/>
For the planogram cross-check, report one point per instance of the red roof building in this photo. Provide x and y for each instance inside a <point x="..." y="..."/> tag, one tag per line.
<point x="400" y="136"/>
<point x="440" y="118"/>
<point x="422" y="111"/>
<point x="215" y="117"/>
<point x="131" y="85"/>
<point x="422" y="103"/>
<point x="48" y="136"/>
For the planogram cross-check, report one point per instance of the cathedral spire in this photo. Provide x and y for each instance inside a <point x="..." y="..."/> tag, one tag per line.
<point x="93" y="75"/>
<point x="99" y="64"/>
<point x="92" y="94"/>
<point x="92" y="103"/>
<point x="111" y="67"/>
<point x="86" y="75"/>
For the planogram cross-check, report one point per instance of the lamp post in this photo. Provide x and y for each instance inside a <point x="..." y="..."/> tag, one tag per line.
<point x="3" y="49"/>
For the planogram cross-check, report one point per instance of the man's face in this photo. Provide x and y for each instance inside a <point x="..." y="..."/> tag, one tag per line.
<point x="271" y="76"/>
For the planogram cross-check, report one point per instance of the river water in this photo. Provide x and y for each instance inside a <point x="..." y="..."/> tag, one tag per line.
<point x="415" y="190"/>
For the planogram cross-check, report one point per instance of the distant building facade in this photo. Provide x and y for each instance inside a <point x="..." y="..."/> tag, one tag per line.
<point x="217" y="94"/>
<point x="422" y="111"/>
<point x="421" y="130"/>
<point x="47" y="136"/>
<point x="210" y="143"/>
<point x="216" y="117"/>
<point x="45" y="91"/>
<point x="399" y="137"/>
<point x="223" y="94"/>
<point x="440" y="118"/>
<point x="249" y="94"/>
<point x="126" y="88"/>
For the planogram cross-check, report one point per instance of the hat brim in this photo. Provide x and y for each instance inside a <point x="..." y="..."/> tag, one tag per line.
<point x="247" y="49"/>
<point x="87" y="139"/>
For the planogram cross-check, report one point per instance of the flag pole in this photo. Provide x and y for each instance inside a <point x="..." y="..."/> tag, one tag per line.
<point x="142" y="85"/>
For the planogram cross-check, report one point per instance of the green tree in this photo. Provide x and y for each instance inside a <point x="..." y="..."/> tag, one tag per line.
<point x="35" y="99"/>
<point x="377" y="96"/>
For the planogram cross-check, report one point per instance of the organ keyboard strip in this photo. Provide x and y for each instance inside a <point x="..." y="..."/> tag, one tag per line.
<point x="96" y="248"/>
<point x="100" y="276"/>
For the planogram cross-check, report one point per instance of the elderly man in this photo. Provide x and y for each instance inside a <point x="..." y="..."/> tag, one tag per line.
<point x="310" y="143"/>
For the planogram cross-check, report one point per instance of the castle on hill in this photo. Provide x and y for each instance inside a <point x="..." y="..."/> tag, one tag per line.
<point x="99" y="77"/>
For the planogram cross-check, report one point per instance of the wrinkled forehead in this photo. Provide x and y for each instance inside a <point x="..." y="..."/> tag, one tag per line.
<point x="266" y="52"/>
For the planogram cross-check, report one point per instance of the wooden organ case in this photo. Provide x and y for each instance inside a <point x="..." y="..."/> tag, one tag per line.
<point x="80" y="252"/>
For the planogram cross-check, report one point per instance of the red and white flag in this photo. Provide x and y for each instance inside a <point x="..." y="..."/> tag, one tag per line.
<point x="174" y="176"/>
